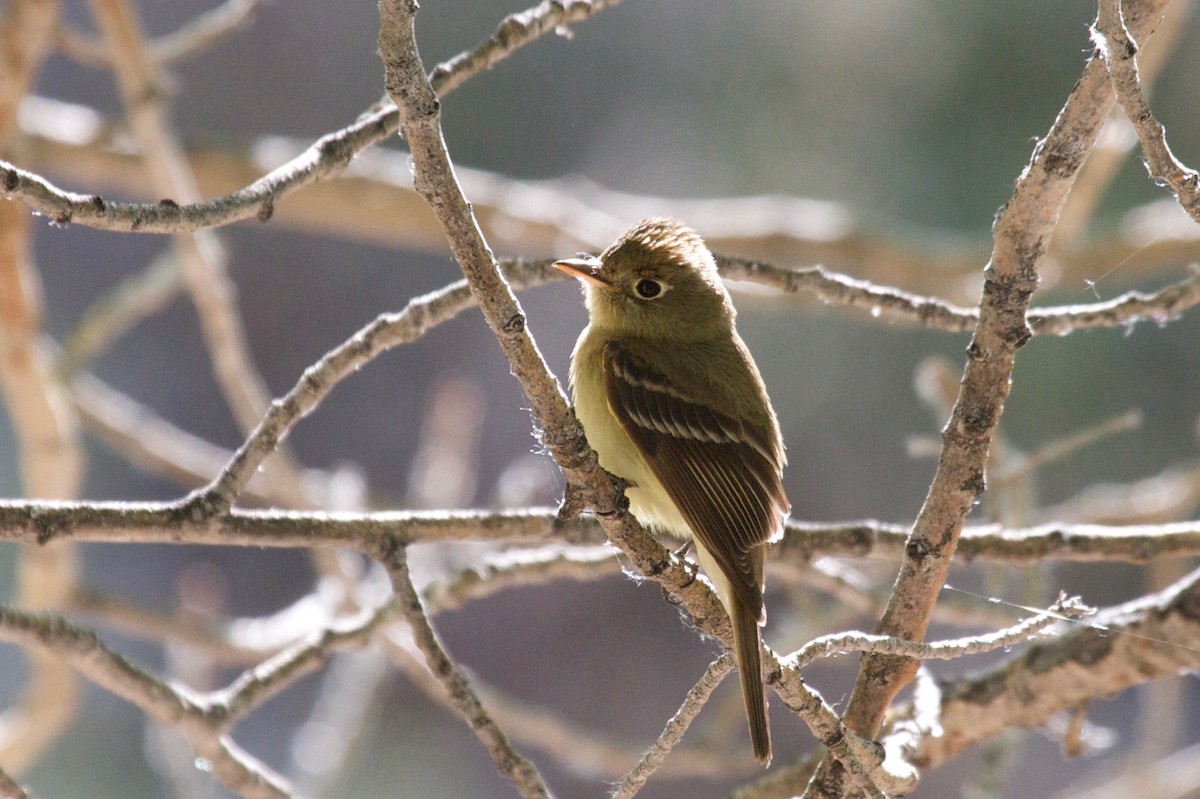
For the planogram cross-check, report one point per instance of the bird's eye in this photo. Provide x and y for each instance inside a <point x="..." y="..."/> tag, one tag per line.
<point x="648" y="289"/>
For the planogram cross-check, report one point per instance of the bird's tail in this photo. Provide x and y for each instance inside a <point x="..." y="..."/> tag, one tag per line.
<point x="747" y="649"/>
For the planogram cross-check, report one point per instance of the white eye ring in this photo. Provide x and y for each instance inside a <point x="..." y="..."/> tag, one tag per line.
<point x="650" y="289"/>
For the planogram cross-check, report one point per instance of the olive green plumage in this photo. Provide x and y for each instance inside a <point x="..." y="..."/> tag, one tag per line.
<point x="673" y="403"/>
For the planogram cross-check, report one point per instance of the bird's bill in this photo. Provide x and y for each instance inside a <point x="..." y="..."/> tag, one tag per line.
<point x="585" y="268"/>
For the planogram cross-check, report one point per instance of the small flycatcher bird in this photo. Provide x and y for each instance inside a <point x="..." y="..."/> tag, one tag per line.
<point x="673" y="404"/>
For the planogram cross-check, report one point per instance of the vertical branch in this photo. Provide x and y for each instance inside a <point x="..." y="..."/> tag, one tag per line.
<point x="51" y="460"/>
<point x="201" y="253"/>
<point x="1021" y="236"/>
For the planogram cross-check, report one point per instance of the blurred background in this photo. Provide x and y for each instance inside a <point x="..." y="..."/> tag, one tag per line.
<point x="908" y="122"/>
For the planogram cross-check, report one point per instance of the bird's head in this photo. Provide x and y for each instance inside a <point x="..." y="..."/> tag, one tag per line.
<point x="658" y="280"/>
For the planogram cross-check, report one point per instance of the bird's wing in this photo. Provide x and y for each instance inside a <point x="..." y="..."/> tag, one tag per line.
<point x="720" y="471"/>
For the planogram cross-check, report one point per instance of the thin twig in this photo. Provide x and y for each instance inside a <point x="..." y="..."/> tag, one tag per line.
<point x="1060" y="448"/>
<point x="512" y="568"/>
<point x="385" y="332"/>
<point x="575" y="746"/>
<point x="255" y="686"/>
<point x="326" y="157"/>
<point x="120" y="310"/>
<point x="510" y="763"/>
<point x="82" y="650"/>
<point x="844" y="643"/>
<point x="1118" y="48"/>
<point x="675" y="729"/>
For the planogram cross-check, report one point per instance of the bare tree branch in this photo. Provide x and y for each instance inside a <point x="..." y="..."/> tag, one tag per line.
<point x="845" y="643"/>
<point x="1155" y="636"/>
<point x="1118" y="48"/>
<point x="35" y="522"/>
<point x="675" y="729"/>
<point x="1117" y="139"/>
<point x="882" y="302"/>
<point x="511" y="764"/>
<point x="327" y="156"/>
<point x="82" y="650"/>
<point x="1021" y="237"/>
<point x="43" y="423"/>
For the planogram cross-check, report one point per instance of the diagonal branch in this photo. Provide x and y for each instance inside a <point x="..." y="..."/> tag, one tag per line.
<point x="1118" y="48"/>
<point x="1149" y="638"/>
<point x="81" y="649"/>
<point x="511" y="764"/>
<point x="1021" y="237"/>
<point x="676" y="727"/>
<point x="562" y="434"/>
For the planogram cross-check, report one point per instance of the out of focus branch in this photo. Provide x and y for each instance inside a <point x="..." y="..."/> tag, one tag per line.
<point x="201" y="254"/>
<point x="200" y="33"/>
<point x="50" y="457"/>
<point x="166" y="704"/>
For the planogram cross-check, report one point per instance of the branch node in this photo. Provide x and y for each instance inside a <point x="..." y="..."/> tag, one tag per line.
<point x="515" y="324"/>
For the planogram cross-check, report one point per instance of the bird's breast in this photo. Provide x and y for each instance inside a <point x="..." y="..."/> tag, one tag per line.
<point x="617" y="452"/>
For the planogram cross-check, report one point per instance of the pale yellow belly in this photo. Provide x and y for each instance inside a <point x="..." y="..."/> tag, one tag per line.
<point x="619" y="455"/>
<point x="647" y="498"/>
